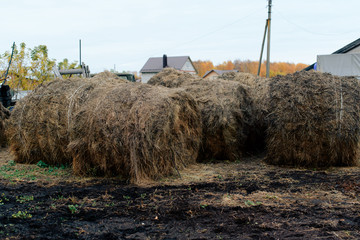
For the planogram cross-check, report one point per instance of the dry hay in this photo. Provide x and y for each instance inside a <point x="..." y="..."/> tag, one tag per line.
<point x="225" y="108"/>
<point x="38" y="127"/>
<point x="313" y="120"/>
<point x="259" y="94"/>
<point x="4" y="114"/>
<point x="171" y="78"/>
<point x="109" y="76"/>
<point x="136" y="131"/>
<point x="242" y="77"/>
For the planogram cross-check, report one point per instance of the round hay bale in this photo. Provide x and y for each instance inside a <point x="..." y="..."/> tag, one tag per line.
<point x="136" y="131"/>
<point x="38" y="127"/>
<point x="109" y="76"/>
<point x="171" y="78"/>
<point x="4" y="114"/>
<point x="225" y="108"/>
<point x="259" y="94"/>
<point x="242" y="77"/>
<point x="313" y="120"/>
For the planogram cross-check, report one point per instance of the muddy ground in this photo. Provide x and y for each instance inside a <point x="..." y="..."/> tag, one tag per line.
<point x="243" y="200"/>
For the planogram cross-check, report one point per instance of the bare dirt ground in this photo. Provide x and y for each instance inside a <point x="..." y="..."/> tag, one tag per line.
<point x="242" y="200"/>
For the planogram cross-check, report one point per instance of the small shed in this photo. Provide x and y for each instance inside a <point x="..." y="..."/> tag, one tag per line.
<point x="340" y="64"/>
<point x="212" y="74"/>
<point x="351" y="48"/>
<point x="155" y="65"/>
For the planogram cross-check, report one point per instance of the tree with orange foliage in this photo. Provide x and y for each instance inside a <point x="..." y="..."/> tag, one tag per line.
<point x="227" y="65"/>
<point x="248" y="66"/>
<point x="203" y="66"/>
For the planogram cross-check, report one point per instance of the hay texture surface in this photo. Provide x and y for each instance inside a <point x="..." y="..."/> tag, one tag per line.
<point x="109" y="76"/>
<point x="244" y="78"/>
<point x="225" y="109"/>
<point x="259" y="93"/>
<point x="171" y="78"/>
<point x="137" y="131"/>
<point x="313" y="120"/>
<point x="4" y="114"/>
<point x="38" y="129"/>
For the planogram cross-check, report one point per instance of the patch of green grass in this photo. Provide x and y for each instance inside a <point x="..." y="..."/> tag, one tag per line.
<point x="23" y="199"/>
<point x="22" y="215"/>
<point x="41" y="164"/>
<point x="14" y="172"/>
<point x="113" y="204"/>
<point x="73" y="209"/>
<point x="203" y="206"/>
<point x="3" y="199"/>
<point x="250" y="203"/>
<point x="11" y="163"/>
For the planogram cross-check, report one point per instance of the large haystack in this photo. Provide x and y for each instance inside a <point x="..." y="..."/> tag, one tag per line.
<point x="244" y="78"/>
<point x="109" y="76"/>
<point x="171" y="78"/>
<point x="38" y="127"/>
<point x="225" y="109"/>
<point x="139" y="132"/>
<point x="313" y="120"/>
<point x="259" y="94"/>
<point x="4" y="114"/>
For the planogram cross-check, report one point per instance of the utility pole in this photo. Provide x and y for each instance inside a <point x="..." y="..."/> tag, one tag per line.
<point x="262" y="48"/>
<point x="268" y="41"/>
<point x="80" y="52"/>
<point x="267" y="30"/>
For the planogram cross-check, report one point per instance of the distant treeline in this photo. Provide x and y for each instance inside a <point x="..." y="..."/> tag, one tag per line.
<point x="276" y="68"/>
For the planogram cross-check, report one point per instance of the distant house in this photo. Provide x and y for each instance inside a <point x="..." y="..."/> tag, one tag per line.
<point x="214" y="73"/>
<point x="157" y="64"/>
<point x="353" y="47"/>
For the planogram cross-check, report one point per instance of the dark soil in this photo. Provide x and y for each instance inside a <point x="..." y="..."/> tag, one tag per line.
<point x="259" y="202"/>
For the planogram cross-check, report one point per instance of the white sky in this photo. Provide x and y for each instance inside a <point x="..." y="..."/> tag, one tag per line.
<point x="126" y="33"/>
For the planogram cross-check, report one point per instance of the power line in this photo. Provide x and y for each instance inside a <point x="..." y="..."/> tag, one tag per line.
<point x="308" y="31"/>
<point x="255" y="11"/>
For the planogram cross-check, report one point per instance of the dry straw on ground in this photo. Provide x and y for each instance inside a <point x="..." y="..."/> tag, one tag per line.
<point x="137" y="131"/>
<point x="225" y="109"/>
<point x="4" y="114"/>
<point x="313" y="120"/>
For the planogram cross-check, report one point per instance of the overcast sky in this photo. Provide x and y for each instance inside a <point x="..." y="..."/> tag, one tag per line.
<point x="125" y="33"/>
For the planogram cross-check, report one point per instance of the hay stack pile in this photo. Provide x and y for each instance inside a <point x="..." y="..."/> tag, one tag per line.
<point x="225" y="108"/>
<point x="137" y="131"/>
<point x="109" y="76"/>
<point x="171" y="78"/>
<point x="4" y="114"/>
<point x="244" y="78"/>
<point x="38" y="127"/>
<point x="106" y="127"/>
<point x="259" y="93"/>
<point x="313" y="120"/>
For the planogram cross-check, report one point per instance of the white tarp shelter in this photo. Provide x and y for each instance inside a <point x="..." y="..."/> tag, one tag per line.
<point x="340" y="64"/>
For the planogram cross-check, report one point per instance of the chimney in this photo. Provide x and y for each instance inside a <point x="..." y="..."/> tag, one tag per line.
<point x="165" y="63"/>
